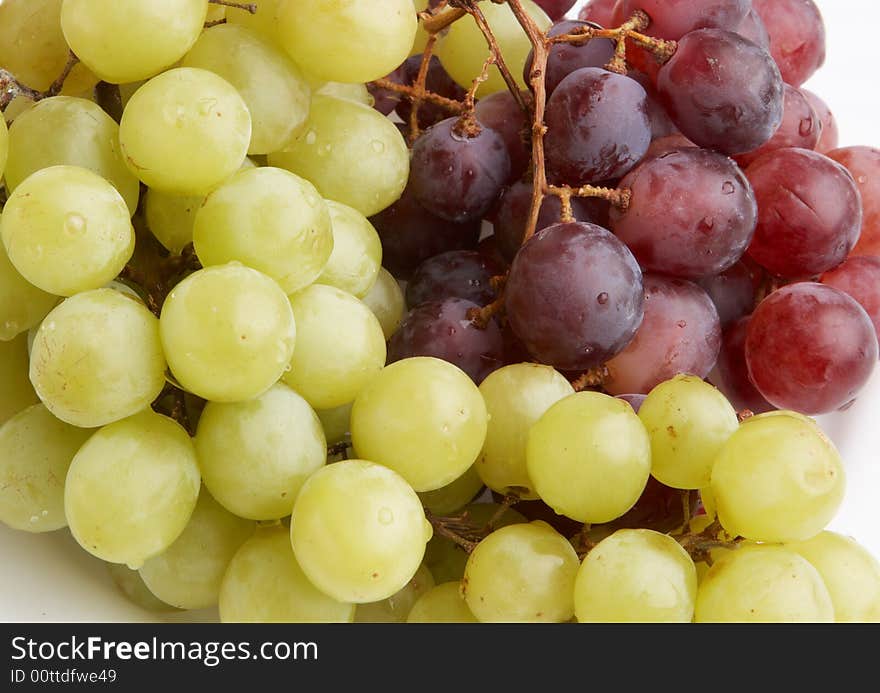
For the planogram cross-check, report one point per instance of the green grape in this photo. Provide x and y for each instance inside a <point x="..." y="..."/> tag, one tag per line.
<point x="264" y="21"/>
<point x="851" y="574"/>
<point x="71" y="131"/>
<point x="335" y="422"/>
<point x="228" y="332"/>
<point x="521" y="573"/>
<point x="778" y="478"/>
<point x="340" y="346"/>
<point x="358" y="531"/>
<point x="396" y="608"/>
<point x="35" y="452"/>
<point x="67" y="230"/>
<point x="387" y="302"/>
<point x="131" y="489"/>
<point x="188" y="573"/>
<point x="688" y="422"/>
<point x="22" y="305"/>
<point x="589" y="457"/>
<point x="276" y="93"/>
<point x="353" y="92"/>
<point x="351" y="152"/>
<point x="454" y="496"/>
<point x="422" y="417"/>
<point x="357" y="252"/>
<point x="462" y="50"/>
<point x="268" y="219"/>
<point x="442" y="604"/>
<point x="708" y="501"/>
<point x="185" y="131"/>
<point x="378" y="36"/>
<point x="636" y="575"/>
<point x="132" y="586"/>
<point x="17" y="393"/>
<point x="97" y="358"/>
<point x="762" y="584"/>
<point x="127" y="40"/>
<point x="516" y="397"/>
<point x="4" y="146"/>
<point x="216" y="13"/>
<point x="265" y="584"/>
<point x="256" y="455"/>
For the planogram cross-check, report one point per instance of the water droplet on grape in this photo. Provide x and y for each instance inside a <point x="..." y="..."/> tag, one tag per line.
<point x="311" y="137"/>
<point x="602" y="298"/>
<point x="706" y="224"/>
<point x="378" y="146"/>
<point x="386" y="516"/>
<point x="682" y="324"/>
<point x="50" y="326"/>
<point x="74" y="224"/>
<point x="34" y="519"/>
<point x="11" y="326"/>
<point x="728" y="188"/>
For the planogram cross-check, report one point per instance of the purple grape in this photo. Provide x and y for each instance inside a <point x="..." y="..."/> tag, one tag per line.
<point x="753" y="29"/>
<point x="574" y="296"/>
<point x="797" y="36"/>
<point x="600" y="12"/>
<point x="457" y="274"/>
<point x="661" y="123"/>
<point x="442" y="329"/>
<point x="501" y="113"/>
<point x="597" y="127"/>
<point x="733" y="373"/>
<point x="635" y="401"/>
<point x="565" y="58"/>
<point x="555" y="9"/>
<point x="829" y="137"/>
<point x="692" y="213"/>
<point x="732" y="292"/>
<point x="386" y="100"/>
<point x="437" y="81"/>
<point x="672" y="19"/>
<point x="667" y="144"/>
<point x="458" y="176"/>
<point x="723" y="91"/>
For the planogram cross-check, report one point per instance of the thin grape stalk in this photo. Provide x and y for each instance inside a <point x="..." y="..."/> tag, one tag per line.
<point x="10" y="87"/>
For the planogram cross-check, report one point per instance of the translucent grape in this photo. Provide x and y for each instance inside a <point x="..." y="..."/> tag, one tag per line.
<point x="22" y="305"/>
<point x="386" y="301"/>
<point x="264" y="583"/>
<point x="340" y="346"/>
<point x="356" y="259"/>
<point x="829" y="136"/>
<point x="800" y="127"/>
<point x="352" y="92"/>
<point x="131" y="489"/>
<point x="71" y="131"/>
<point x="859" y="277"/>
<point x="185" y="131"/>
<point x="276" y="93"/>
<point x="17" y="393"/>
<point x="863" y="163"/>
<point x="67" y="230"/>
<point x="589" y="457"/>
<point x="97" y="358"/>
<point x="35" y="453"/>
<point x="636" y="575"/>
<point x="256" y="455"/>
<point x="268" y="219"/>
<point x="521" y="573"/>
<point x="132" y="587"/>
<point x="396" y="608"/>
<point x="457" y="274"/>
<point x="688" y="422"/>
<point x="752" y="28"/>
<point x="732" y="291"/>
<point x="358" y="531"/>
<point x="228" y="332"/>
<point x="378" y="36"/>
<point x="778" y="478"/>
<point x="501" y="112"/>
<point x="516" y="397"/>
<point x="851" y="574"/>
<point x="733" y="372"/>
<point x="762" y="584"/>
<point x="455" y="495"/>
<point x="351" y="153"/>
<point x="171" y="217"/>
<point x="442" y="604"/>
<point x="430" y="444"/>
<point x="797" y="37"/>
<point x="335" y="422"/>
<point x="264" y="21"/>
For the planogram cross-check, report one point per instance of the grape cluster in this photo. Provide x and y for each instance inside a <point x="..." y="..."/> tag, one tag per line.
<point x="419" y="330"/>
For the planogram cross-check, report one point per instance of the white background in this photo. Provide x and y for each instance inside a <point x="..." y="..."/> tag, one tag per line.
<point x="48" y="577"/>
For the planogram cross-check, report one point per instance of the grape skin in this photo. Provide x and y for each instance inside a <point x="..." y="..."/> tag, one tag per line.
<point x="829" y="136"/>
<point x="797" y="36"/>
<point x="22" y="305"/>
<point x="456" y="274"/>
<point x="454" y="496"/>
<point x="442" y="604"/>
<point x="863" y="163"/>
<point x="733" y="372"/>
<point x="859" y="277"/>
<point x="672" y="19"/>
<point x="501" y="113"/>
<point x="599" y="11"/>
<point x="17" y="393"/>
<point x="732" y="292"/>
<point x="565" y="58"/>
<point x="356" y="259"/>
<point x="386" y="301"/>
<point x="397" y="607"/>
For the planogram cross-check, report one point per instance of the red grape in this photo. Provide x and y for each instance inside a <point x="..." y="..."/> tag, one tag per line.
<point x="672" y="19"/>
<point x="664" y="145"/>
<point x="733" y="373"/>
<point x="635" y="401"/>
<point x="797" y="36"/>
<point x="556" y="9"/>
<point x="565" y="58"/>
<point x="456" y="274"/>
<point x="864" y="165"/>
<point x="599" y="12"/>
<point x="502" y="113"/>
<point x="753" y="29"/>
<point x="661" y="123"/>
<point x="810" y="348"/>
<point x="859" y="277"/>
<point x="829" y="136"/>
<point x="732" y="292"/>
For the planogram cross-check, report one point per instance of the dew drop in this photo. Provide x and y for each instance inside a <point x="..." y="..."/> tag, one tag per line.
<point x="11" y="326"/>
<point x="50" y="326"/>
<point x="862" y="180"/>
<point x="74" y="224"/>
<point x="682" y="324"/>
<point x="378" y="146"/>
<point x="386" y="516"/>
<point x="311" y="137"/>
<point x="602" y="298"/>
<point x="706" y="224"/>
<point x="728" y="188"/>
<point x="34" y="519"/>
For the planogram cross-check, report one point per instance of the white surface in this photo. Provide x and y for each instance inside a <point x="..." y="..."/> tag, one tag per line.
<point x="48" y="577"/>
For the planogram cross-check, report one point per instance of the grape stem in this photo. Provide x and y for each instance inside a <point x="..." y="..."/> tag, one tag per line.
<point x="453" y="528"/>
<point x="420" y="85"/>
<point x="593" y="378"/>
<point x="509" y="501"/>
<point x="216" y="22"/>
<point x="246" y="6"/>
<point x="10" y="87"/>
<point x="699" y="546"/>
<point x="467" y="125"/>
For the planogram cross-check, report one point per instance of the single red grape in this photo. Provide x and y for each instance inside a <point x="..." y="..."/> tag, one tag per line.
<point x="733" y="373"/>
<point x="829" y="137"/>
<point x="732" y="292"/>
<point x="864" y="165"/>
<point x="859" y="277"/>
<point x="456" y="274"/>
<point x="797" y="36"/>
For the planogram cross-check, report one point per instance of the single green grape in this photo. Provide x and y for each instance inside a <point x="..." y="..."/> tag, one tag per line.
<point x="228" y="332"/>
<point x="849" y="571"/>
<point x="340" y="346"/>
<point x="64" y="130"/>
<point x="763" y="584"/>
<point x="264" y="21"/>
<point x="268" y="219"/>
<point x="688" y="421"/>
<point x="357" y="252"/>
<point x="275" y="91"/>
<point x="777" y="479"/>
<point x="17" y="393"/>
<point x="340" y="90"/>
<point x="462" y="50"/>
<point x="127" y="40"/>
<point x="335" y="422"/>
<point x="22" y="305"/>
<point x="442" y="604"/>
<point x="132" y="488"/>
<point x="522" y="573"/>
<point x="67" y="230"/>
<point x="4" y="146"/>
<point x="188" y="573"/>
<point x="396" y="608"/>
<point x="256" y="455"/>
<point x="131" y="585"/>
<point x="589" y="457"/>
<point x="516" y="397"/>
<point x="358" y="531"/>
<point x="378" y="36"/>
<point x="421" y="38"/>
<point x="185" y="131"/>
<point x="636" y="575"/>
<point x="97" y="358"/>
<point x="264" y="583"/>
<point x="35" y="452"/>
<point x="352" y="154"/>
<point x="422" y="417"/>
<point x="455" y="495"/>
<point x="387" y="302"/>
